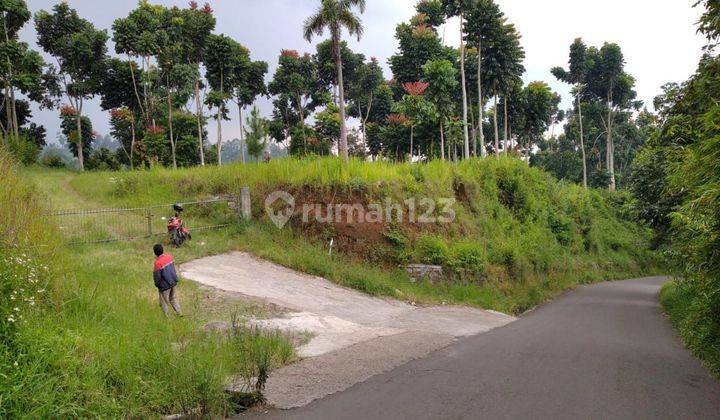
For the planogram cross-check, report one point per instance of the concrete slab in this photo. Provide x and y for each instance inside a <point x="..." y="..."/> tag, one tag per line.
<point x="353" y="335"/>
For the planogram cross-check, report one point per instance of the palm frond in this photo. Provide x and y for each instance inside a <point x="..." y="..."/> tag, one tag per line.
<point x="353" y="24"/>
<point x="315" y="24"/>
<point x="347" y="4"/>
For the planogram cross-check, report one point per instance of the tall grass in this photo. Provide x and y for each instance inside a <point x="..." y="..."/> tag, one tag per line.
<point x="96" y="344"/>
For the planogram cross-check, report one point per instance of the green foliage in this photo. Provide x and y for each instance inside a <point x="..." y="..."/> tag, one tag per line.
<point x="297" y="84"/>
<point x="258" y="353"/>
<point x="676" y="185"/>
<point x="53" y="161"/>
<point x="417" y="45"/>
<point x="693" y="314"/>
<point x="102" y="160"/>
<point x="25" y="151"/>
<point x="257" y="134"/>
<point x="68" y="125"/>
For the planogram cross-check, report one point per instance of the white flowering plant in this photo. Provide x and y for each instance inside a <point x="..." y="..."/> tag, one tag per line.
<point x="23" y="281"/>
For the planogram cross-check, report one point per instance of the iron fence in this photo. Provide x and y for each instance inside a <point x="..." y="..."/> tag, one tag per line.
<point x="87" y="226"/>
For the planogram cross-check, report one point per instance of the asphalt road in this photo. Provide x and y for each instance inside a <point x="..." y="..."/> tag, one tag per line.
<point x="602" y="352"/>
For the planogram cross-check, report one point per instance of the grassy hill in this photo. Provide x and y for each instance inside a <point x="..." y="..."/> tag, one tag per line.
<point x="519" y="236"/>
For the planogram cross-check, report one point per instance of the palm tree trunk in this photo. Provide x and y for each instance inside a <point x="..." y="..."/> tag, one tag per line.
<point x="481" y="110"/>
<point x="505" y="123"/>
<point x="242" y="133"/>
<point x="135" y="88"/>
<point x="170" y="122"/>
<point x="610" y="152"/>
<point x="343" y="128"/>
<point x="7" y="112"/>
<point x="582" y="143"/>
<point x="466" y="135"/>
<point x="10" y="100"/>
<point x="13" y="102"/>
<point x="132" y="144"/>
<point x="198" y="110"/>
<point x="497" y="133"/>
<point x="219" y="118"/>
<point x="442" y="140"/>
<point x="412" y="133"/>
<point x="78" y="121"/>
<point x="302" y="122"/>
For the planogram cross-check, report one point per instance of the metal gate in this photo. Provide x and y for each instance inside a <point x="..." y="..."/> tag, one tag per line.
<point x="87" y="226"/>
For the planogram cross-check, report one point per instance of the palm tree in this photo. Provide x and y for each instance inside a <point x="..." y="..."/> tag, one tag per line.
<point x="334" y="15"/>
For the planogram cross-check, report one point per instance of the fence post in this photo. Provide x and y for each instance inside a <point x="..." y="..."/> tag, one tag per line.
<point x="245" y="204"/>
<point x="149" y="223"/>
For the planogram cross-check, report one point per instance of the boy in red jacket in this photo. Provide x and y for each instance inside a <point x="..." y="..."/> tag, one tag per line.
<point x="166" y="279"/>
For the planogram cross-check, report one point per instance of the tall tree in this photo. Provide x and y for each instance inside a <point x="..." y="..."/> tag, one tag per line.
<point x="247" y="83"/>
<point x="143" y="35"/>
<point x="336" y="15"/>
<point x="197" y="25"/>
<point x="418" y="43"/>
<point x="257" y="134"/>
<point x="120" y="97"/>
<point x="221" y="58"/>
<point x="576" y="76"/>
<point x="484" y="22"/>
<point x="327" y="66"/>
<point x="441" y="76"/>
<point x="363" y="91"/>
<point x="415" y="108"/>
<point x="537" y="104"/>
<point x="299" y="92"/>
<point x="503" y="68"/>
<point x="80" y="51"/>
<point x="608" y="83"/>
<point x="20" y="67"/>
<point x="460" y="8"/>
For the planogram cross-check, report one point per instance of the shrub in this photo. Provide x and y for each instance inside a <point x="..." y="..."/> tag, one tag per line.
<point x="258" y="352"/>
<point x="469" y="260"/>
<point x="53" y="161"/>
<point x="433" y="250"/>
<point x="102" y="160"/>
<point x="25" y="151"/>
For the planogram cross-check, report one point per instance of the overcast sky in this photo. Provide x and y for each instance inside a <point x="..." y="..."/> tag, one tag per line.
<point x="658" y="37"/>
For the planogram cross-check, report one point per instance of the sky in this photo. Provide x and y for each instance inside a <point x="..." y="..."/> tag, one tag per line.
<point x="658" y="37"/>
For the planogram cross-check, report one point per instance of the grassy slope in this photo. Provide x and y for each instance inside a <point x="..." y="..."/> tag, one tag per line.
<point x="103" y="347"/>
<point x="690" y="314"/>
<point x="519" y="237"/>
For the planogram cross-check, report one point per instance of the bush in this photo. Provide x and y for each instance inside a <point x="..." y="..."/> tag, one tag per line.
<point x="258" y="353"/>
<point x="102" y="160"/>
<point x="433" y="250"/>
<point x="469" y="260"/>
<point x="53" y="161"/>
<point x="25" y="151"/>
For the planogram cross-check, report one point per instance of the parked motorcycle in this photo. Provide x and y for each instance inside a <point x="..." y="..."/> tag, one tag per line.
<point x="176" y="228"/>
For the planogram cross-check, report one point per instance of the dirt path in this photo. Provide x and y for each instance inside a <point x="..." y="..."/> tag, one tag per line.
<point x="354" y="336"/>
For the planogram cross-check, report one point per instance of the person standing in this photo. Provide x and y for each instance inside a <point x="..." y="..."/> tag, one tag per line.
<point x="166" y="280"/>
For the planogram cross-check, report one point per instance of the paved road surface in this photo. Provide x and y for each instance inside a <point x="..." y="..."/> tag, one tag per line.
<point x="604" y="351"/>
